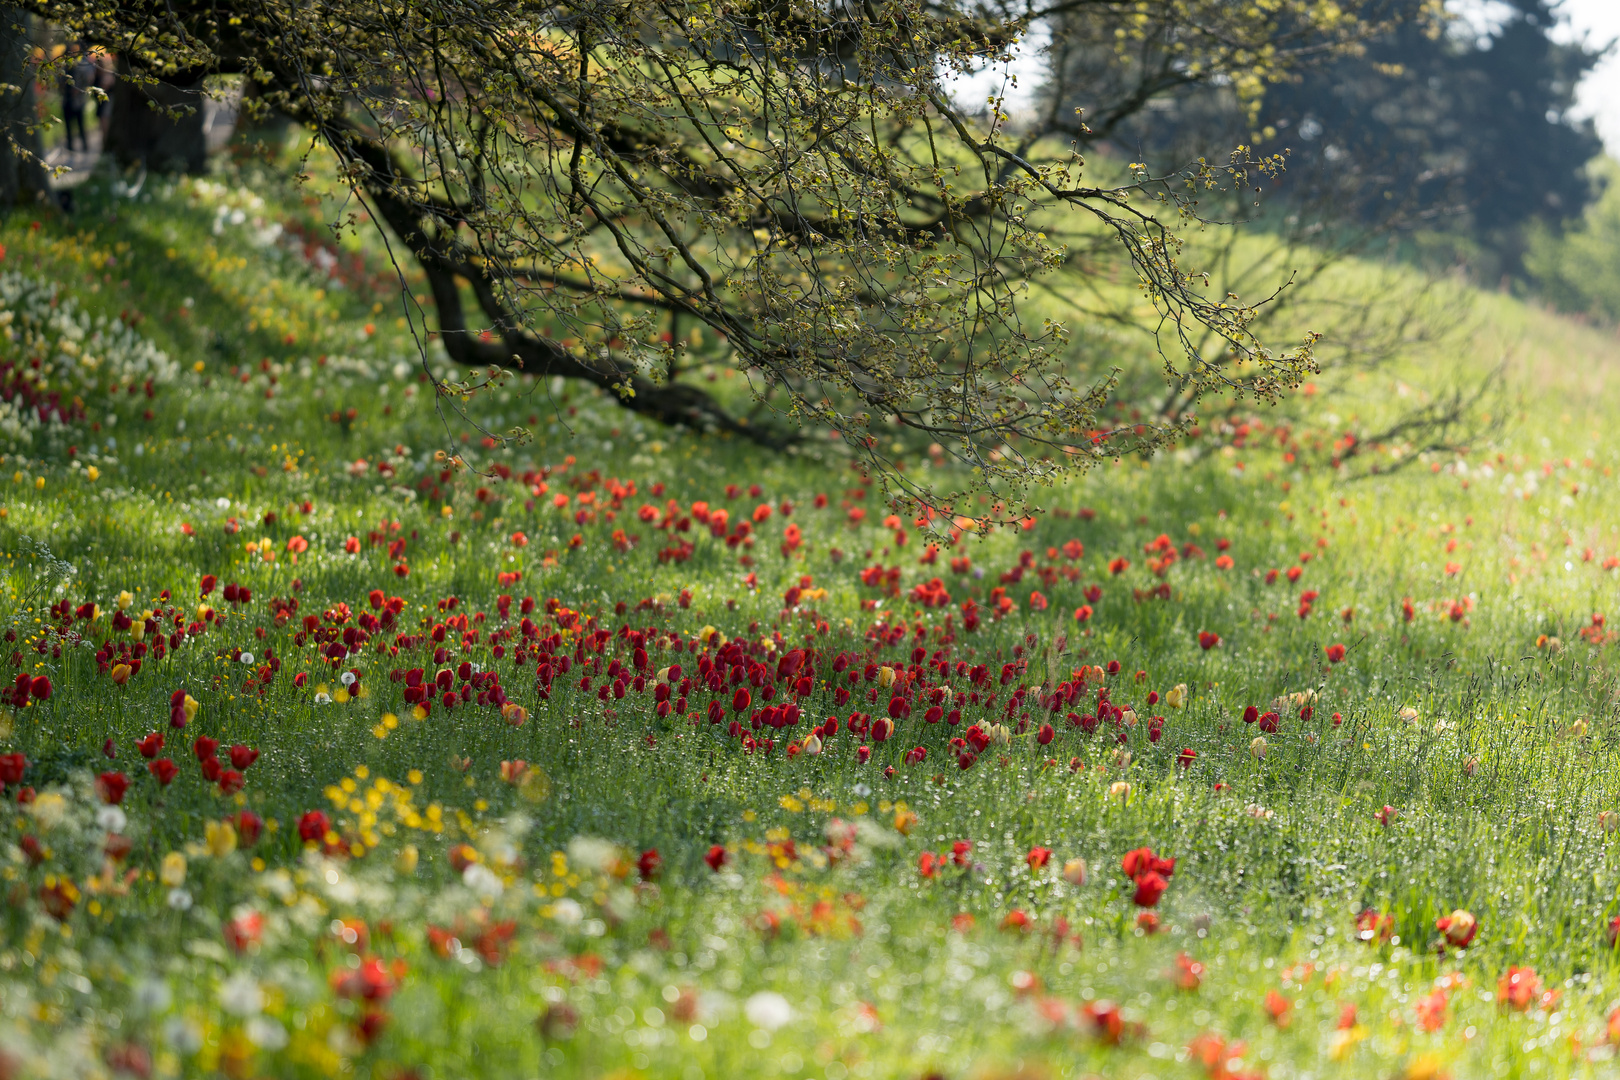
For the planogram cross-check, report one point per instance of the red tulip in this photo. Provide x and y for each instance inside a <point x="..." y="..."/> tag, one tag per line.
<point x="1520" y="988"/>
<point x="1189" y="973"/>
<point x="1279" y="1007"/>
<point x="248" y="827"/>
<point x="163" y="769"/>
<point x="1459" y="928"/>
<point x="1149" y="887"/>
<point x="110" y="787"/>
<point x="313" y="825"/>
<point x="150" y="745"/>
<point x="12" y="767"/>
<point x="204" y="747"/>
<point x="1207" y="640"/>
<point x="244" y="931"/>
<point x="40" y="687"/>
<point x="243" y="756"/>
<point x="1143" y="861"/>
<point x="716" y="858"/>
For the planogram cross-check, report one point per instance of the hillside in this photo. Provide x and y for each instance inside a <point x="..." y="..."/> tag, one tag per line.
<point x="629" y="752"/>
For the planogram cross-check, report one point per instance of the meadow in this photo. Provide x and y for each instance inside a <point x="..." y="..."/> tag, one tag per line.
<point x="344" y="736"/>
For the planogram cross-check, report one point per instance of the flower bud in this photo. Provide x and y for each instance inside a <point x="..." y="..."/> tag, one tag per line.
<point x="1258" y="747"/>
<point x="1074" y="871"/>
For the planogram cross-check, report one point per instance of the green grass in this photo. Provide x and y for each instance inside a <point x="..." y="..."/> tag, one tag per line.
<point x="565" y="962"/>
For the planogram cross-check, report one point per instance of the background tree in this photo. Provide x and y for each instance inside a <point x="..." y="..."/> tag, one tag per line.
<point x="1578" y="267"/>
<point x="1434" y="123"/>
<point x="22" y="171"/>
<point x="158" y="120"/>
<point x="1435" y="138"/>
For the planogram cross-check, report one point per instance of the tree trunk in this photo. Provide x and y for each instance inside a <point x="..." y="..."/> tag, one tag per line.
<point x="22" y="172"/>
<point x="144" y="131"/>
<point x="261" y="131"/>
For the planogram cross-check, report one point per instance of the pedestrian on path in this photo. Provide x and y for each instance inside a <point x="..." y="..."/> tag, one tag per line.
<point x="77" y="76"/>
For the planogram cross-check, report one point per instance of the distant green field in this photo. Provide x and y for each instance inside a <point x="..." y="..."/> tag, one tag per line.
<point x="438" y="802"/>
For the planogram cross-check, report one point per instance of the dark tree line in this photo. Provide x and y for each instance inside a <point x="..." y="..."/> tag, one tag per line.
<point x="1431" y="125"/>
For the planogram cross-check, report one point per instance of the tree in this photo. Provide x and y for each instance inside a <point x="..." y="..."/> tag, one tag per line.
<point x="157" y="118"/>
<point x="1429" y="137"/>
<point x="573" y="178"/>
<point x="1434" y="123"/>
<point x="22" y="171"/>
<point x="1578" y="269"/>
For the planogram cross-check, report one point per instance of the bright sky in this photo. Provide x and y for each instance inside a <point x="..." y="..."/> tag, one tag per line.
<point x="1599" y="92"/>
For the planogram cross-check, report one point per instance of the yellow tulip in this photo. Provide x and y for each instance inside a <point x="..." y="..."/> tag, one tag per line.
<point x="221" y="838"/>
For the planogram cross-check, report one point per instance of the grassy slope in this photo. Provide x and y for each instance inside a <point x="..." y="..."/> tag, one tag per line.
<point x="1497" y="785"/>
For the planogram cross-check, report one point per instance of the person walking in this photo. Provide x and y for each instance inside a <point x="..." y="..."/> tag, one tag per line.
<point x="76" y="76"/>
